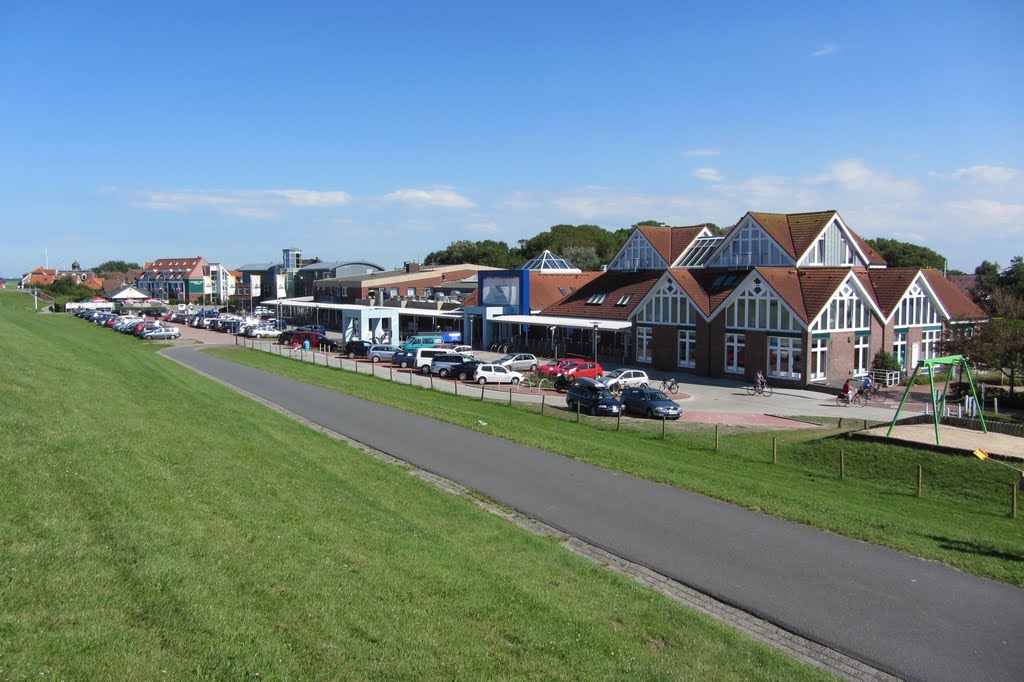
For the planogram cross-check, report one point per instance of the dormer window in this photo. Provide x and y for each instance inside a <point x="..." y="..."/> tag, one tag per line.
<point x="597" y="299"/>
<point x="624" y="300"/>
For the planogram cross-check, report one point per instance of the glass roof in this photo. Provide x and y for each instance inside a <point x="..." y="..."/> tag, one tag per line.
<point x="549" y="262"/>
<point x="699" y="252"/>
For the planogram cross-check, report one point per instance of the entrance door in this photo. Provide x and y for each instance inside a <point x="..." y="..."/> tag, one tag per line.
<point x="915" y="355"/>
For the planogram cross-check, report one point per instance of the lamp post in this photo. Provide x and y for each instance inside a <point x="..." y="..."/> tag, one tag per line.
<point x="595" y="341"/>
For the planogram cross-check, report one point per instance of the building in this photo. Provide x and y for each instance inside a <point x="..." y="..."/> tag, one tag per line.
<point x="800" y="297"/>
<point x="182" y="279"/>
<point x="411" y="282"/>
<point x="308" y="275"/>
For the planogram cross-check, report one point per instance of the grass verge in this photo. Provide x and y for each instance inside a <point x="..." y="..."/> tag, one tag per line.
<point x="960" y="519"/>
<point x="157" y="524"/>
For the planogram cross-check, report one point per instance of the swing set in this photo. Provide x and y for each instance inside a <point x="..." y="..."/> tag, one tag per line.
<point x="950" y="361"/>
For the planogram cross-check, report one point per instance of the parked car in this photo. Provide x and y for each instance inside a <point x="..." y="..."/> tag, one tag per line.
<point x="621" y="379"/>
<point x="518" y="361"/>
<point x="551" y="368"/>
<point x="285" y="337"/>
<point x="496" y="374"/>
<point x="581" y="369"/>
<point x="425" y="356"/>
<point x="441" y="365"/>
<point x="264" y="332"/>
<point x="162" y="333"/>
<point x="357" y="349"/>
<point x="466" y="370"/>
<point x="318" y="328"/>
<point x="381" y="353"/>
<point x="651" y="403"/>
<point x="593" y="398"/>
<point x="404" y="358"/>
<point x="428" y="341"/>
<point x="316" y="340"/>
<point x="463" y="350"/>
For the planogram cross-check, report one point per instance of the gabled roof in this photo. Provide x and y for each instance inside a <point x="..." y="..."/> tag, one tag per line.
<point x="958" y="304"/>
<point x="548" y="288"/>
<point x="795" y="232"/>
<point x="670" y="242"/>
<point x="890" y="285"/>
<point x="615" y="285"/>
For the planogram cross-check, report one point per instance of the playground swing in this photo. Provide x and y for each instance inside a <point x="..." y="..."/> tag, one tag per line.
<point x="931" y="364"/>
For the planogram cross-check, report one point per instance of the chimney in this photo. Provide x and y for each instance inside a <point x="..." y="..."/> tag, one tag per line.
<point x="412" y="266"/>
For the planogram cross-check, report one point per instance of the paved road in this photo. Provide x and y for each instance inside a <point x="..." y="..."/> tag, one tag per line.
<point x="912" y="618"/>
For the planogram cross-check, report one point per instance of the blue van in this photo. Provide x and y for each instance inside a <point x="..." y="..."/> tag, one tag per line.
<point x="426" y="341"/>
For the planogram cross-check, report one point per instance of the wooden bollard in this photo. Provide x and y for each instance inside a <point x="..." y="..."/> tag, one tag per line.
<point x="577" y="413"/>
<point x="716" y="437"/>
<point x="431" y="382"/>
<point x="510" y="397"/>
<point x="920" y="479"/>
<point x="542" y="397"/>
<point x="456" y="385"/>
<point x="618" y="419"/>
<point x="775" y="450"/>
<point x="842" y="465"/>
<point x="481" y="393"/>
<point x="663" y="420"/>
<point x="840" y="423"/>
<point x="1013" y="500"/>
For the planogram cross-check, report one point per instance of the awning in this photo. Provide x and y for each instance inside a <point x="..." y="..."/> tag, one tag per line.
<point x="568" y="322"/>
<point x="305" y="302"/>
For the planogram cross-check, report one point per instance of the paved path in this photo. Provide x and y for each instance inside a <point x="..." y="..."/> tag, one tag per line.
<point x="912" y="618"/>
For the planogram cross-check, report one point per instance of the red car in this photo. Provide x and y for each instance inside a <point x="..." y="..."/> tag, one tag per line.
<point x="553" y="367"/>
<point x="577" y="369"/>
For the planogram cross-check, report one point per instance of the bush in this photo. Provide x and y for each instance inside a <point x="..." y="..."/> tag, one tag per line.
<point x="885" y="361"/>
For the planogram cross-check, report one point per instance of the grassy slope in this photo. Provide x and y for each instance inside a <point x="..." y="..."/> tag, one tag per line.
<point x="961" y="519"/>
<point x="157" y="524"/>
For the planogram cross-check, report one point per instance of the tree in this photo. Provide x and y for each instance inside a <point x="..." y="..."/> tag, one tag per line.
<point x="906" y="255"/>
<point x="560" y="237"/>
<point x="488" y="252"/>
<point x="115" y="266"/>
<point x="583" y="257"/>
<point x="1000" y="343"/>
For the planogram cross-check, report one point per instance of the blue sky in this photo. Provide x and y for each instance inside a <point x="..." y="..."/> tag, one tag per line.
<point x="384" y="131"/>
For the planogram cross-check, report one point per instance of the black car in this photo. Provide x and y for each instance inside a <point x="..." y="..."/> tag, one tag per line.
<point x="318" y="328"/>
<point x="441" y="365"/>
<point x="592" y="397"/>
<point x="650" y="402"/>
<point x="357" y="349"/>
<point x="465" y="370"/>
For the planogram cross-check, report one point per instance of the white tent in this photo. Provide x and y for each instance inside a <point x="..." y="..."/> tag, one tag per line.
<point x="129" y="294"/>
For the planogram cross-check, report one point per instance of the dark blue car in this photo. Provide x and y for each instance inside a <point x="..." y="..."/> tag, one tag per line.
<point x="650" y="402"/>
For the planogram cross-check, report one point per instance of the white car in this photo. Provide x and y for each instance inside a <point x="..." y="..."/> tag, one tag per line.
<point x="526" y="361"/>
<point x="163" y="333"/>
<point x="264" y="333"/>
<point x="464" y="350"/>
<point x="621" y="379"/>
<point x="496" y="374"/>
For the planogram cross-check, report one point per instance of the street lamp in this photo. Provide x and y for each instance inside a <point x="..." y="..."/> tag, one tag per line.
<point x="595" y="341"/>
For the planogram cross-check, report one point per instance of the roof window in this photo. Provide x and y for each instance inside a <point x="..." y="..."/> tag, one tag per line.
<point x="597" y="299"/>
<point x="624" y="300"/>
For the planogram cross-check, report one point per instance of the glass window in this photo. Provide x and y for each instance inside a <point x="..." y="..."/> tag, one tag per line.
<point x="735" y="352"/>
<point x="687" y="348"/>
<point x="643" y="344"/>
<point x="785" y="357"/>
<point x="819" y="359"/>
<point x="861" y="350"/>
<point x="899" y="348"/>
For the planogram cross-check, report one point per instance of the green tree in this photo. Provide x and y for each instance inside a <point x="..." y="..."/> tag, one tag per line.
<point x="1000" y="343"/>
<point x="906" y="255"/>
<point x="560" y="237"/>
<point x="583" y="257"/>
<point x="488" y="252"/>
<point x="115" y="266"/>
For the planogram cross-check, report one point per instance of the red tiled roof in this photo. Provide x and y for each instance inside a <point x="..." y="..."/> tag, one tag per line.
<point x="958" y="304"/>
<point x="794" y="231"/>
<point x="545" y="287"/>
<point x="670" y="242"/>
<point x="788" y="283"/>
<point x="890" y="284"/>
<point x="615" y="284"/>
<point x="471" y="299"/>
<point x="705" y="288"/>
<point x="874" y="258"/>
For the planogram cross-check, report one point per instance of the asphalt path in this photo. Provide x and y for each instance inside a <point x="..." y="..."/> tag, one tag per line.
<point x="911" y="618"/>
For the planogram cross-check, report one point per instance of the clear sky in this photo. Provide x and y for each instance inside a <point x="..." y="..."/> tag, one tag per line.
<point x="383" y="131"/>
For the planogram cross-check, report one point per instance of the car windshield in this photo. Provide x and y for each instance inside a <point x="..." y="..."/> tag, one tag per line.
<point x="507" y="357"/>
<point x="604" y="393"/>
<point x="657" y="395"/>
<point x="614" y="373"/>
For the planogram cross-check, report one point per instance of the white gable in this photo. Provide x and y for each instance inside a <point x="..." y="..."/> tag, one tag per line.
<point x="637" y="254"/>
<point x="748" y="245"/>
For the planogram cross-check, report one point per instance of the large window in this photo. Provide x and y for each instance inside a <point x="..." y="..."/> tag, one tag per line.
<point x="751" y="246"/>
<point x="638" y="254"/>
<point x="845" y="312"/>
<point x="930" y="343"/>
<point x="668" y="305"/>
<point x="687" y="348"/>
<point x="916" y="309"/>
<point x="785" y="357"/>
<point x="861" y="353"/>
<point x="819" y="359"/>
<point x="643" y="344"/>
<point x="757" y="307"/>
<point x="899" y="348"/>
<point x="735" y="352"/>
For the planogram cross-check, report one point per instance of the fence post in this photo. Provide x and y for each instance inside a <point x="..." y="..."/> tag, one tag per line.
<point x="775" y="450"/>
<point x="618" y="420"/>
<point x="716" y="437"/>
<point x="431" y="382"/>
<point x="840" y="423"/>
<point x="920" y="479"/>
<point x="391" y="372"/>
<point x="1013" y="500"/>
<point x="865" y="424"/>
<point x="663" y="420"/>
<point x="456" y="385"/>
<point x="542" y="397"/>
<point x="510" y="397"/>
<point x="481" y="393"/>
<point x="577" y="413"/>
<point x="842" y="465"/>
<point x="995" y="405"/>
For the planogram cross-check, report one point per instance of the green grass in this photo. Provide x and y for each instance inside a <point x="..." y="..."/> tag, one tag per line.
<point x="156" y="524"/>
<point x="961" y="519"/>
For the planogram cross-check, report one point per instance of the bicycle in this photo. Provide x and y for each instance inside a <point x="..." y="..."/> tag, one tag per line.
<point x="759" y="388"/>
<point x="670" y="385"/>
<point x="876" y="393"/>
<point x="853" y="397"/>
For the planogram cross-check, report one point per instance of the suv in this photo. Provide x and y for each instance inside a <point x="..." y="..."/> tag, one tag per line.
<point x="404" y="358"/>
<point x="518" y="361"/>
<point x="425" y="356"/>
<point x="357" y="349"/>
<point x="442" y="365"/>
<point x="592" y="397"/>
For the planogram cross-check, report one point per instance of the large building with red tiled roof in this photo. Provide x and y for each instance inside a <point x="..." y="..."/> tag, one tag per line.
<point x="800" y="297"/>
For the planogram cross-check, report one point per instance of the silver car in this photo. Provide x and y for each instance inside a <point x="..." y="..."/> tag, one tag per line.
<point x="381" y="353"/>
<point x="526" y="362"/>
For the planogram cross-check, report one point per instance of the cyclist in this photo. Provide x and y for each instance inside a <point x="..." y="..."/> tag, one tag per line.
<point x="845" y="391"/>
<point x="866" y="384"/>
<point x="759" y="380"/>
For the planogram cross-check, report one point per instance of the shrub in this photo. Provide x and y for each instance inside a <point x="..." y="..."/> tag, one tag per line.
<point x="885" y="361"/>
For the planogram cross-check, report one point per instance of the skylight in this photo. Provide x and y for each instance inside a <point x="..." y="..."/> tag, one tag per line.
<point x="597" y="299"/>
<point x="699" y="252"/>
<point x="624" y="300"/>
<point x="549" y="262"/>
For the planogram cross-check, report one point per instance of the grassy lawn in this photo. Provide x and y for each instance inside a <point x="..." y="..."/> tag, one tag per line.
<point x="961" y="519"/>
<point x="156" y="524"/>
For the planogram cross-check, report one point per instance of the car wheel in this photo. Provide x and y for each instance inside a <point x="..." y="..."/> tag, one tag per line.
<point x="443" y="373"/>
<point x="515" y="381"/>
<point x="649" y="414"/>
<point x="533" y="367"/>
<point x="425" y="369"/>
<point x="375" y="359"/>
<point x="592" y="411"/>
<point x="351" y="355"/>
<point x="463" y="376"/>
<point x="482" y="380"/>
<point x="404" y="365"/>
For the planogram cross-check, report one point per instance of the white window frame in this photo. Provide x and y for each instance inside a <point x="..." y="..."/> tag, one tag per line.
<point x="737" y="345"/>
<point x="644" y="336"/>
<point x="845" y="311"/>
<point x="788" y="357"/>
<point x="916" y="309"/>
<point x="899" y="347"/>
<point x="819" y="359"/>
<point x="686" y="345"/>
<point x="668" y="305"/>
<point x="637" y="254"/>
<point x="861" y="354"/>
<point x="930" y="339"/>
<point x="759" y="307"/>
